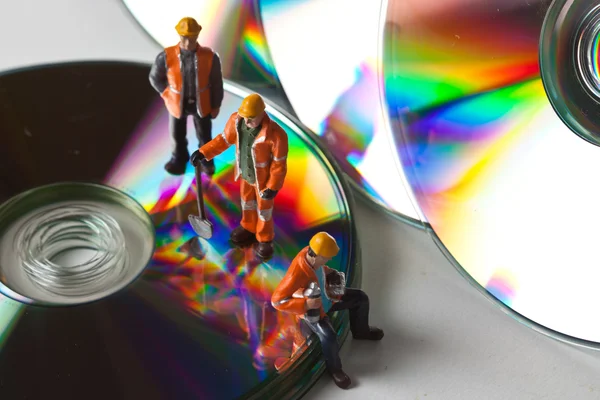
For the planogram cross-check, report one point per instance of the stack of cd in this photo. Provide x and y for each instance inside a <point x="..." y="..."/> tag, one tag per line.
<point x="476" y="120"/>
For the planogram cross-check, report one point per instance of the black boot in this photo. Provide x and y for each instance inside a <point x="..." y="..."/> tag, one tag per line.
<point x="241" y="236"/>
<point x="340" y="378"/>
<point x="177" y="164"/>
<point x="264" y="249"/>
<point x="373" y="334"/>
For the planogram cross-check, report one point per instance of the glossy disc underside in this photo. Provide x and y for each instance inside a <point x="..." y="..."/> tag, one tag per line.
<point x="198" y="322"/>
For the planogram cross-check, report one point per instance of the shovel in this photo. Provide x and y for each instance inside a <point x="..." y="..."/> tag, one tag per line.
<point x="200" y="224"/>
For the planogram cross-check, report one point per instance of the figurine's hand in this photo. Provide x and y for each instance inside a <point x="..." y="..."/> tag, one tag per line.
<point x="311" y="304"/>
<point x="196" y="158"/>
<point x="333" y="278"/>
<point x="214" y="113"/>
<point x="268" y="194"/>
<point x="299" y="294"/>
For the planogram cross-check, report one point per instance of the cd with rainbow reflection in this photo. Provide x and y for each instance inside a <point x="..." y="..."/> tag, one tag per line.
<point x="505" y="181"/>
<point x="198" y="323"/>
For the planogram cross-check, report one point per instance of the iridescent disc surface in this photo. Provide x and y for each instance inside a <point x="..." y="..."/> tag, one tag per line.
<point x="326" y="56"/>
<point x="198" y="323"/>
<point x="508" y="189"/>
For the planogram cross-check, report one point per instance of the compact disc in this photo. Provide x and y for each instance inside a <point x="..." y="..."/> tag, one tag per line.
<point x="507" y="186"/>
<point x="232" y="28"/>
<point x="198" y="321"/>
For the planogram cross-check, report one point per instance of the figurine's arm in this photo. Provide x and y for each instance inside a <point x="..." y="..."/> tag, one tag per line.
<point x="216" y="83"/>
<point x="278" y="168"/>
<point x="221" y="142"/>
<point x="283" y="298"/>
<point x="158" y="73"/>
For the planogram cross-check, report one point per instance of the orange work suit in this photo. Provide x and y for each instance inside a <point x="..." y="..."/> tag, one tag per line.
<point x="269" y="155"/>
<point x="299" y="275"/>
<point x="172" y="95"/>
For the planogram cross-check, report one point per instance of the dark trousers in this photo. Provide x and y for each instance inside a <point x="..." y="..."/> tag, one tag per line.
<point x="357" y="302"/>
<point x="178" y="128"/>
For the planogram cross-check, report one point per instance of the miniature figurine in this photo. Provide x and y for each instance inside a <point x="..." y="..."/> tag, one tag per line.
<point x="188" y="77"/>
<point x="261" y="161"/>
<point x="299" y="293"/>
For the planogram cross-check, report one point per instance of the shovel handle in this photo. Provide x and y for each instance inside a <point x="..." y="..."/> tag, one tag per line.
<point x="199" y="196"/>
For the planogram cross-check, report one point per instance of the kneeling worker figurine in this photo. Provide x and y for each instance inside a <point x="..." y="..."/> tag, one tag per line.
<point x="261" y="161"/>
<point x="299" y="293"/>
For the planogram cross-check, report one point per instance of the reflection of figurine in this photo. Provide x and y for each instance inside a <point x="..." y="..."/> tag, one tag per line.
<point x="290" y="296"/>
<point x="188" y="78"/>
<point x="261" y="153"/>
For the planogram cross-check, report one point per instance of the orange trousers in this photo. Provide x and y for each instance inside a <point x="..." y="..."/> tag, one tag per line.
<point x="257" y="213"/>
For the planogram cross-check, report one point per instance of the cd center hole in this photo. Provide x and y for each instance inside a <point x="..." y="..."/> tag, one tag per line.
<point x="73" y="255"/>
<point x="588" y="52"/>
<point x="72" y="251"/>
<point x="79" y="243"/>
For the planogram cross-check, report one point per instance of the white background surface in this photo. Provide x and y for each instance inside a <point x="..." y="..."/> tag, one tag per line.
<point x="443" y="339"/>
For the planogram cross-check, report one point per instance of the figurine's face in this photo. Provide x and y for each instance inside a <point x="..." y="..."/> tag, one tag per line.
<point x="255" y="121"/>
<point x="188" y="42"/>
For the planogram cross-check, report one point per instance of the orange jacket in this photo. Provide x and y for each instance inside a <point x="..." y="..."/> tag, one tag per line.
<point x="299" y="275"/>
<point x="269" y="151"/>
<point x="172" y="94"/>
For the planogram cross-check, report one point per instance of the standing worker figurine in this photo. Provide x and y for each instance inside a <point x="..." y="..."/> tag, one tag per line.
<point x="261" y="161"/>
<point x="188" y="77"/>
<point x="295" y="295"/>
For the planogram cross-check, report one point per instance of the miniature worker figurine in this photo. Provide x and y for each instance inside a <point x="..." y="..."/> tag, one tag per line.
<point x="188" y="77"/>
<point x="261" y="161"/>
<point x="292" y="296"/>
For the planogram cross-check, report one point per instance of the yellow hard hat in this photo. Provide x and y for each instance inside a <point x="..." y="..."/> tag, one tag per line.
<point x="323" y="244"/>
<point x="251" y="106"/>
<point x="188" y="27"/>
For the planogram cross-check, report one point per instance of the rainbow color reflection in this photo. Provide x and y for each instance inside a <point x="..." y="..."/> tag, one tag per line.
<point x="507" y="188"/>
<point x="330" y="75"/>
<point x="595" y="56"/>
<point x="225" y="289"/>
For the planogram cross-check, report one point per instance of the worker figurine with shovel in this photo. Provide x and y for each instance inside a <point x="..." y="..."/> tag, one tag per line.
<point x="261" y="161"/>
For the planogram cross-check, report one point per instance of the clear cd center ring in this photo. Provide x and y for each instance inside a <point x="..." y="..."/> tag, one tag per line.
<point x="72" y="243"/>
<point x="587" y="55"/>
<point x="569" y="56"/>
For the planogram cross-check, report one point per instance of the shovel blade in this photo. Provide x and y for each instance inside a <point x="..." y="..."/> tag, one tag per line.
<point x="201" y="226"/>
